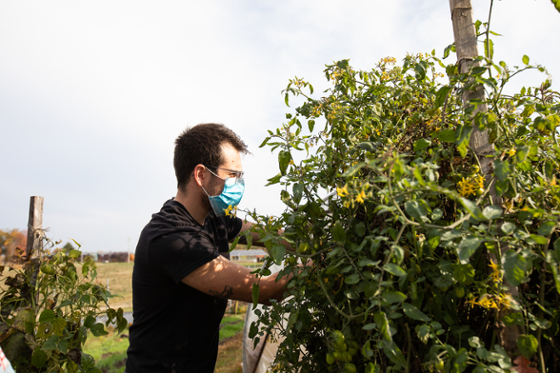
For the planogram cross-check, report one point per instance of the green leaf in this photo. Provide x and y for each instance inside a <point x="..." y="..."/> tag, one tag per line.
<point x="89" y="321"/>
<point x="51" y="343"/>
<point x="352" y="170"/>
<point x="463" y="274"/>
<point x="526" y="58"/>
<point x="492" y="212"/>
<point x="297" y="191"/>
<point x="383" y="325"/>
<point x="394" y="269"/>
<point x="338" y="232"/>
<point x="255" y="295"/>
<point x="467" y="247"/>
<point x="367" y="145"/>
<point x="556" y="4"/>
<point x="62" y="346"/>
<point x="360" y="229"/>
<point x="501" y="170"/>
<point x="441" y="95"/>
<point x="475" y="342"/>
<point x="74" y="254"/>
<point x="414" y="313"/>
<point x="515" y="266"/>
<point x="472" y="208"/>
<point x="514" y="318"/>
<point x="353" y="279"/>
<point x="508" y="228"/>
<point x="423" y="333"/>
<point x="420" y="71"/>
<point x="421" y="144"/>
<point x="284" y="158"/>
<point x="277" y="252"/>
<point x="445" y="135"/>
<point x="47" y="315"/>
<point x="264" y="142"/>
<point x="418" y="174"/>
<point x="274" y="180"/>
<point x="539" y="240"/>
<point x="546" y="228"/>
<point x="416" y="210"/>
<point x="58" y="326"/>
<point x="462" y="137"/>
<point x="24" y="321"/>
<point x="39" y="358"/>
<point x="527" y="345"/>
<point x="447" y="50"/>
<point x="98" y="330"/>
<point x="391" y="296"/>
<point x="394" y="353"/>
<point x="311" y="125"/>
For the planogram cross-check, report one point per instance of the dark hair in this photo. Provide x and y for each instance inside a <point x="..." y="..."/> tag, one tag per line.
<point x="202" y="144"/>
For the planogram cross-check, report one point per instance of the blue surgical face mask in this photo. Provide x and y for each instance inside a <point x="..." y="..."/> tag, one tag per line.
<point x="230" y="196"/>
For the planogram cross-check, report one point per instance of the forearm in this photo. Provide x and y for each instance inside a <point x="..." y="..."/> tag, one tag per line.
<point x="227" y="280"/>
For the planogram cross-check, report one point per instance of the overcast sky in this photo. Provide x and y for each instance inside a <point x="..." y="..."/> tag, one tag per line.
<point x="94" y="93"/>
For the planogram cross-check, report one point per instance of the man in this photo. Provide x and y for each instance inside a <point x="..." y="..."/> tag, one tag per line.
<point x="182" y="275"/>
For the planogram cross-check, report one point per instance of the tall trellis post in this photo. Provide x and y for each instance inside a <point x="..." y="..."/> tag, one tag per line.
<point x="467" y="52"/>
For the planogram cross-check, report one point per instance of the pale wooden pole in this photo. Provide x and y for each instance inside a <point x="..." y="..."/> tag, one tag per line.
<point x="35" y="226"/>
<point x="467" y="51"/>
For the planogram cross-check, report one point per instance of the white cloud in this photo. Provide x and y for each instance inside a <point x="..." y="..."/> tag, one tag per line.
<point x="93" y="94"/>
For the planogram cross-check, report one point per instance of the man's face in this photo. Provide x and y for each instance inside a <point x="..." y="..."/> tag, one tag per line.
<point x="232" y="163"/>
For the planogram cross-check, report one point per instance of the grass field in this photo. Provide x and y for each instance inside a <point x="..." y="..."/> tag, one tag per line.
<point x="119" y="278"/>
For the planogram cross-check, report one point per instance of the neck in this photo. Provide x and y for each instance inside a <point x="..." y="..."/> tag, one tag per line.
<point x="191" y="200"/>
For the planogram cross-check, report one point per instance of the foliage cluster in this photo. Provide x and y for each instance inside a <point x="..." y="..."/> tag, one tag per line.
<point x="412" y="266"/>
<point x="47" y="310"/>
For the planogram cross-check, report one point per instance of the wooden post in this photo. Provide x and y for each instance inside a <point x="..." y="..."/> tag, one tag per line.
<point x="467" y="51"/>
<point x="35" y="226"/>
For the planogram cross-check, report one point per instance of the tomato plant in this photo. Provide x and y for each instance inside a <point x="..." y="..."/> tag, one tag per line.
<point x="409" y="270"/>
<point x="47" y="309"/>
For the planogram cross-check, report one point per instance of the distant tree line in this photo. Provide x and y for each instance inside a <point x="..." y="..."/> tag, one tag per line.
<point x="121" y="257"/>
<point x="12" y="238"/>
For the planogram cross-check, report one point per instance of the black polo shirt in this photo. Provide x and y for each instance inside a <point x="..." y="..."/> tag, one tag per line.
<point x="176" y="327"/>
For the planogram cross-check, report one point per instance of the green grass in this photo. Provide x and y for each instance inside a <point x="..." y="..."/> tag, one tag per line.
<point x="108" y="351"/>
<point x="230" y="326"/>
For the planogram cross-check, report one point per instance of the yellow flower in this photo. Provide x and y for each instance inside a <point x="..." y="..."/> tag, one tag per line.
<point x="487" y="302"/>
<point x="505" y="301"/>
<point x="228" y="210"/>
<point x="496" y="274"/>
<point x="470" y="185"/>
<point x="360" y="197"/>
<point x="342" y="192"/>
<point x="511" y="152"/>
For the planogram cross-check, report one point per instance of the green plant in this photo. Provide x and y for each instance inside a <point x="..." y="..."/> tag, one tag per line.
<point x="47" y="310"/>
<point x="384" y="195"/>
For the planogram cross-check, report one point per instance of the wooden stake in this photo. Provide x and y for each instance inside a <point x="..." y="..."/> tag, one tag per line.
<point x="35" y="226"/>
<point x="467" y="51"/>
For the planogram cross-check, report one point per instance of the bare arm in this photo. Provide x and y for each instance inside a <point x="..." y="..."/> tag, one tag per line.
<point x="225" y="279"/>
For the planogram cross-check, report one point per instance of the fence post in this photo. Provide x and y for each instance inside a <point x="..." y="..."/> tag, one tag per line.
<point x="35" y="226"/>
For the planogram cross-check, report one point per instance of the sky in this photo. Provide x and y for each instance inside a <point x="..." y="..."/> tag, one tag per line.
<point x="93" y="94"/>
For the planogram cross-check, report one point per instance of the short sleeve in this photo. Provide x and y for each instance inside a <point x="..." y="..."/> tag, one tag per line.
<point x="178" y="255"/>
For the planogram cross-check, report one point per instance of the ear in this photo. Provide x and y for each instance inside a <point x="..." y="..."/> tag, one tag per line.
<point x="199" y="174"/>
